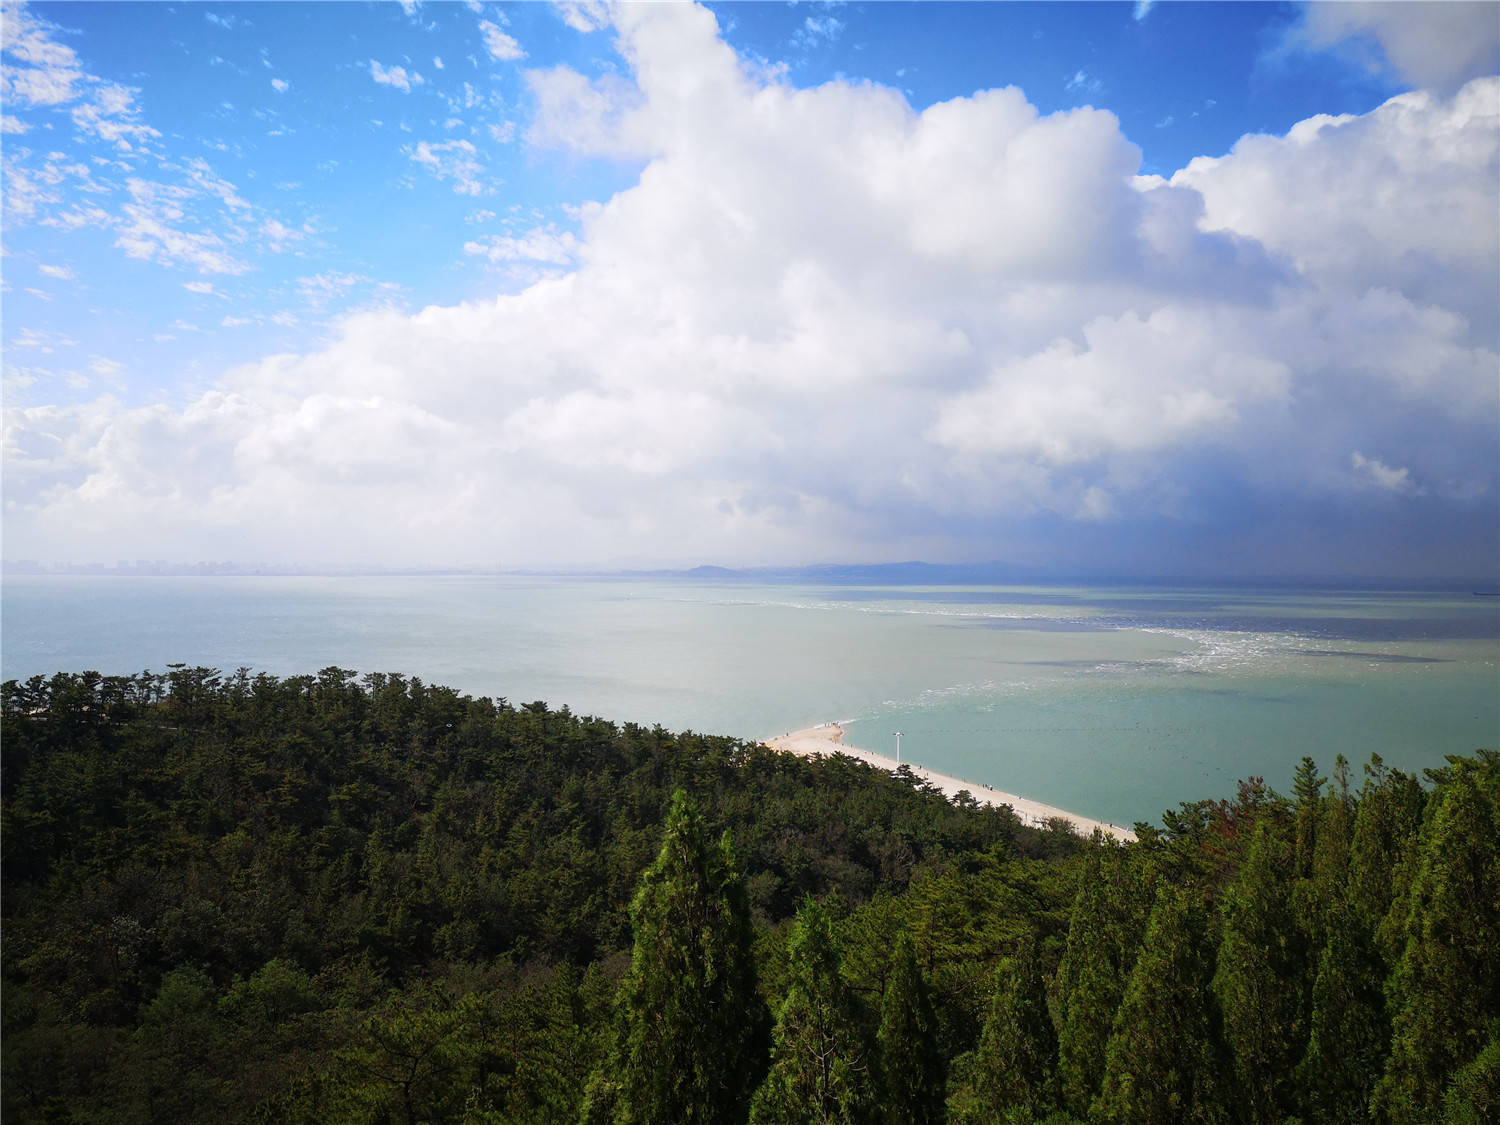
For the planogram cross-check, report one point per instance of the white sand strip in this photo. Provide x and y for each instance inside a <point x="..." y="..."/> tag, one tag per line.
<point x="829" y="739"/>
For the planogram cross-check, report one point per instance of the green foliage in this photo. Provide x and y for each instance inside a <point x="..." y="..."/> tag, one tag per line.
<point x="328" y="899"/>
<point x="1350" y="1032"/>
<point x="1474" y="1096"/>
<point x="1261" y="966"/>
<point x="1165" y="1062"/>
<point x="690" y="1025"/>
<point x="1015" y="1067"/>
<point x="1091" y="977"/>
<point x="1307" y="787"/>
<point x="1445" y="992"/>
<point x="911" y="1062"/>
<point x="821" y="1063"/>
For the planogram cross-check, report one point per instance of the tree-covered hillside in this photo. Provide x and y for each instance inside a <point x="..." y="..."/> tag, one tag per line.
<point x="325" y="899"/>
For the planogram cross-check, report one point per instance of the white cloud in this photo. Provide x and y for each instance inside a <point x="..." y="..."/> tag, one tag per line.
<point x="204" y="287"/>
<point x="112" y="116"/>
<point x="1374" y="200"/>
<point x="12" y="125"/>
<point x="280" y="85"/>
<point x="395" y="76"/>
<point x="278" y="236"/>
<point x="437" y="62"/>
<point x="1437" y="46"/>
<point x="583" y="15"/>
<point x="151" y="229"/>
<point x="816" y="30"/>
<point x="500" y="45"/>
<point x="823" y="324"/>
<point x="49" y="73"/>
<point x="62" y="273"/>
<point x="546" y="245"/>
<point x="318" y="290"/>
<point x="1082" y="82"/>
<point x="1373" y="471"/>
<point x="456" y="160"/>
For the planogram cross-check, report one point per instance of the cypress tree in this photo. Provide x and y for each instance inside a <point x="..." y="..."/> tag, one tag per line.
<point x="1445" y="992"/>
<point x="1165" y="1056"/>
<point x="1307" y="787"/>
<point x="1016" y="1065"/>
<point x="1259" y="979"/>
<point x="1091" y="977"/>
<point x="689" y="1043"/>
<point x="1387" y="826"/>
<point x="1474" y="1096"/>
<point x="1350" y="1032"/>
<point x="820" y="1064"/>
<point x="911" y="1063"/>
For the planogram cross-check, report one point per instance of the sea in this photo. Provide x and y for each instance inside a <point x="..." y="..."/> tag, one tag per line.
<point x="1113" y="703"/>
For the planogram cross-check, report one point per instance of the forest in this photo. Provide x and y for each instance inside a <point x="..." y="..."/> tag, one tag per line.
<point x="335" y="898"/>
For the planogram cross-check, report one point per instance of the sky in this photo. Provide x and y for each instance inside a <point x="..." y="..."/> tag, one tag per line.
<point x="1145" y="289"/>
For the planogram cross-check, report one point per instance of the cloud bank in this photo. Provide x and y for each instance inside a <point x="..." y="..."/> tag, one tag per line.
<point x="823" y="325"/>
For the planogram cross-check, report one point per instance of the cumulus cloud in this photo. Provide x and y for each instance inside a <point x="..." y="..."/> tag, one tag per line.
<point x="824" y="325"/>
<point x="1433" y="46"/>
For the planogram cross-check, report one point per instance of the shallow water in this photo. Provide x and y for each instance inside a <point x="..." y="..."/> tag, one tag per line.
<point x="1111" y="703"/>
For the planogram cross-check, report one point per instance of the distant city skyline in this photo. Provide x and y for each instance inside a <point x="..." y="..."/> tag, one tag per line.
<point x="1186" y="289"/>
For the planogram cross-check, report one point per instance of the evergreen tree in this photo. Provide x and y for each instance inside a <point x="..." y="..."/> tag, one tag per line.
<point x="1091" y="977"/>
<point x="1445" y="992"/>
<point x="1387" y="826"/>
<point x="1165" y="1056"/>
<point x="911" y="1062"/>
<point x="1259" y="979"/>
<point x="1474" y="1096"/>
<point x="1350" y="1032"/>
<point x="1016" y="1065"/>
<point x="690" y="1026"/>
<point x="1307" y="787"/>
<point x="820" y="1063"/>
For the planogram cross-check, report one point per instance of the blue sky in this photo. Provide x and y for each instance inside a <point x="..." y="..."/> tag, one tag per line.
<point x="535" y="284"/>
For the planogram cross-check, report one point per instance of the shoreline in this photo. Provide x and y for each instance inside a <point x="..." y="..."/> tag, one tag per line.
<point x="828" y="738"/>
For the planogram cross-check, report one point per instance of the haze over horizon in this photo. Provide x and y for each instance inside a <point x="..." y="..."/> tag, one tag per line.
<point x="1177" y="288"/>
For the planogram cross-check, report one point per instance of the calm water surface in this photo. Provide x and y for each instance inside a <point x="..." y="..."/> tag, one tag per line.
<point x="1111" y="703"/>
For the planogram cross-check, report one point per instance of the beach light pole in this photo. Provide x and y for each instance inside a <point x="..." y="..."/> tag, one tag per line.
<point x="898" y="748"/>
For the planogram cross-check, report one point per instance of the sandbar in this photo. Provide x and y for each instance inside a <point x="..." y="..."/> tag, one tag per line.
<point x="828" y="738"/>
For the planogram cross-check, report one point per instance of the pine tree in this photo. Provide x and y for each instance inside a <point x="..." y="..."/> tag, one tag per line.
<point x="1165" y="1057"/>
<point x="689" y="1042"/>
<point x="1445" y="992"/>
<point x="1091" y="977"/>
<point x="911" y="1062"/>
<point x="1016" y="1065"/>
<point x="820" y="1063"/>
<point x="1259" y="979"/>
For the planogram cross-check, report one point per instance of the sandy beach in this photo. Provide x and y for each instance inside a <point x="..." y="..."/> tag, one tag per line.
<point x="829" y="739"/>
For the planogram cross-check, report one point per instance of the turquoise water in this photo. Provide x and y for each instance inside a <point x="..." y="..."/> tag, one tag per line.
<point x="1114" y="704"/>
